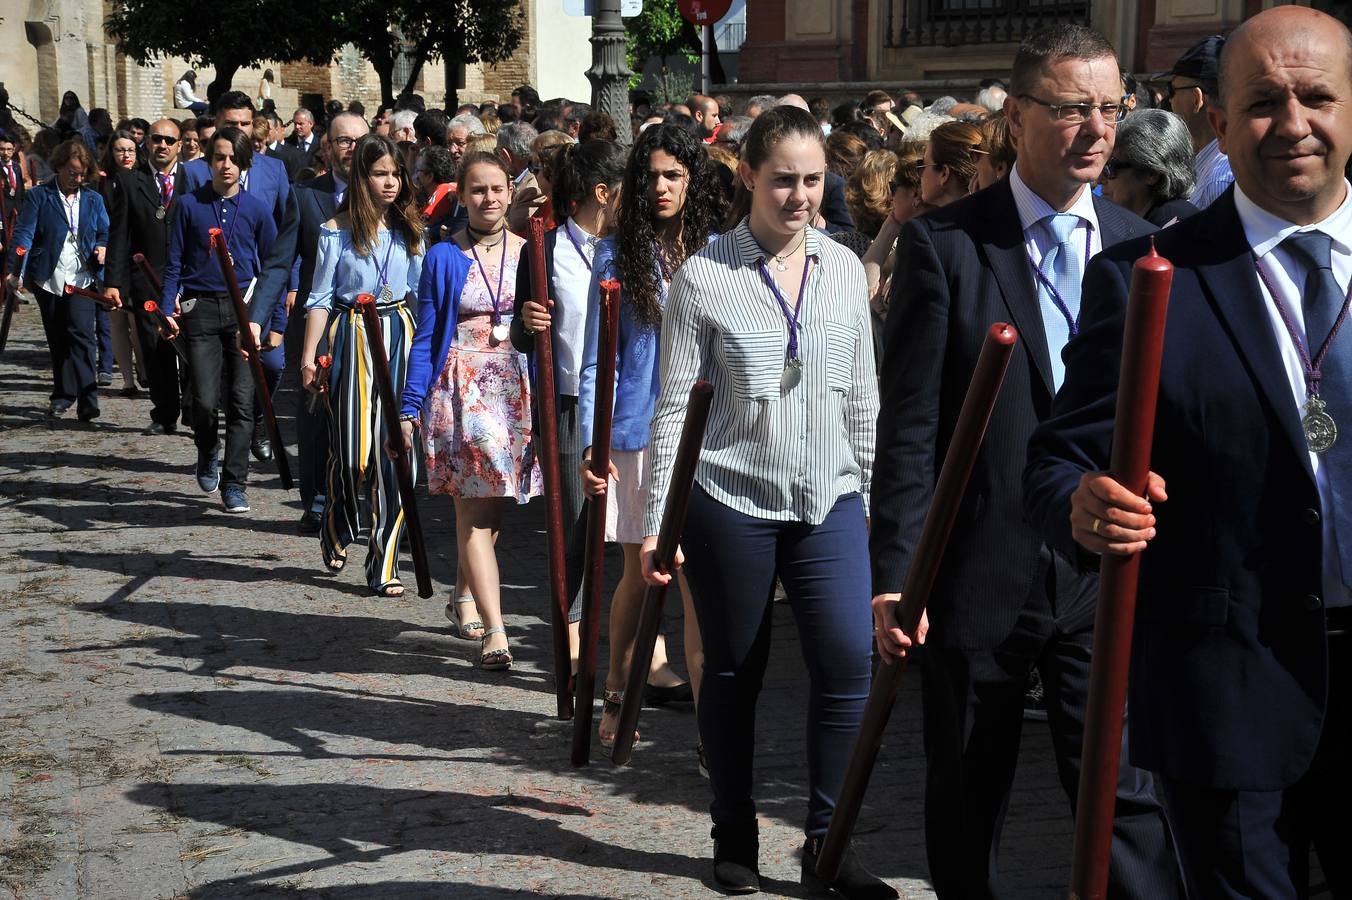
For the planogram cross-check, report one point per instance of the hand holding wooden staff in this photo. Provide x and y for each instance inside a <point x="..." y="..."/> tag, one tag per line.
<point x="907" y="615"/>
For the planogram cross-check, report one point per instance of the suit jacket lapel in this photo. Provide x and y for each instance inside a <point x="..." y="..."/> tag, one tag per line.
<point x="1229" y="277"/>
<point x="328" y="197"/>
<point x="1003" y="245"/>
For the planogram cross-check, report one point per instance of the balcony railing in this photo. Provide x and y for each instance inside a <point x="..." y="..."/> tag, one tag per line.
<point x="952" y="23"/>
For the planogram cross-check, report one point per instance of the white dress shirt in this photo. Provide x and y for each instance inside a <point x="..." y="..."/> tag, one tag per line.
<point x="69" y="267"/>
<point x="1265" y="232"/>
<point x="572" y="278"/>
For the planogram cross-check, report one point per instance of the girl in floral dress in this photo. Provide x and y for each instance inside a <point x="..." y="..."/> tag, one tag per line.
<point x="477" y="420"/>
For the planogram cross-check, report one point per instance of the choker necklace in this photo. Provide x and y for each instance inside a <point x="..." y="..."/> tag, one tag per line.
<point x="475" y="236"/>
<point x="782" y="262"/>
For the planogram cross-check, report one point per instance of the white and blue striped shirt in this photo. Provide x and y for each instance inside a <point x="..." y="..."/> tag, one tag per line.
<point x="769" y="452"/>
<point x="1213" y="175"/>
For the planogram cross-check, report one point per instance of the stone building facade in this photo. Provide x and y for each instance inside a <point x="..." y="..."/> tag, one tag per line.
<point x="52" y="46"/>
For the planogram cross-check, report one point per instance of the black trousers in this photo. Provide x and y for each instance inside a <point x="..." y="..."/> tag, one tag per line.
<point x="574" y="509"/>
<point x="1256" y="844"/>
<point x="973" y="716"/>
<point x="69" y="325"/>
<point x="220" y="375"/>
<point x="161" y="364"/>
<point x="312" y="428"/>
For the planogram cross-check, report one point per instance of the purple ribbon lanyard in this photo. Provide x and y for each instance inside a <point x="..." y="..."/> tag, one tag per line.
<point x="1313" y="367"/>
<point x="790" y="317"/>
<point x="1072" y="321"/>
<point x="70" y="220"/>
<point x="578" y="247"/>
<point x="385" y="268"/>
<point x="234" y="220"/>
<point x="502" y="267"/>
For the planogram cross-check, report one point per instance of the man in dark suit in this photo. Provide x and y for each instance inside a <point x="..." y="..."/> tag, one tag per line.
<point x="303" y="138"/>
<point x="11" y="179"/>
<point x="1004" y="603"/>
<point x="141" y="214"/>
<point x="1241" y="671"/>
<point x="317" y="201"/>
<point x="279" y="149"/>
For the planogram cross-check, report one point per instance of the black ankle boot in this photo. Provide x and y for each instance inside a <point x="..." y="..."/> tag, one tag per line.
<point x="854" y="882"/>
<point x="736" y="870"/>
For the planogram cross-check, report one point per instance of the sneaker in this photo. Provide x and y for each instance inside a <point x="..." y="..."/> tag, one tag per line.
<point x="1035" y="699"/>
<point x="234" y="498"/>
<point x="208" y="471"/>
<point x="105" y="379"/>
<point x="58" y="408"/>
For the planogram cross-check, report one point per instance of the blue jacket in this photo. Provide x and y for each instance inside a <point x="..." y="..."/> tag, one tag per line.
<point x="636" y="367"/>
<point x="42" y="228"/>
<point x="443" y="278"/>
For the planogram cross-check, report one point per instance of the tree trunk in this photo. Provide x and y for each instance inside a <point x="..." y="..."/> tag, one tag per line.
<point x="225" y="74"/>
<point x="384" y="67"/>
<point x="420" y="52"/>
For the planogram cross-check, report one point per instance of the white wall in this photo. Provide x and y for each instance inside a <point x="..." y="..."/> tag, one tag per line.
<point x="563" y="52"/>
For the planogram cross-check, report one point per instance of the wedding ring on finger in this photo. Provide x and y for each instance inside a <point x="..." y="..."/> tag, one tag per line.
<point x="1097" y="523"/>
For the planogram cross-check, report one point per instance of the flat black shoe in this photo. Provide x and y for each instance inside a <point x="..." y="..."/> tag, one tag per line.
<point x="261" y="448"/>
<point x="310" y="523"/>
<point x="158" y="428"/>
<point x="89" y="415"/>
<point x="853" y="882"/>
<point x="57" y="410"/>
<point x="736" y="869"/>
<point x="654" y="695"/>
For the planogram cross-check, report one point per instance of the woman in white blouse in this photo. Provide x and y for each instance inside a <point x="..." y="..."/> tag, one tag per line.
<point x="185" y="94"/>
<point x="775" y="315"/>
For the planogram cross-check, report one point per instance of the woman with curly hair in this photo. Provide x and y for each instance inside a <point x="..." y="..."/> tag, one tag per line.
<point x="372" y="245"/>
<point x="669" y="210"/>
<point x="868" y="191"/>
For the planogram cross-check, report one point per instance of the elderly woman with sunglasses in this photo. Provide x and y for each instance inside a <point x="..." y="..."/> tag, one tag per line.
<point x="1151" y="169"/>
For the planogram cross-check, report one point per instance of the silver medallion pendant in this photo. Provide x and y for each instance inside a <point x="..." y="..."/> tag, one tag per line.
<point x="1320" y="429"/>
<point x="159" y="212"/>
<point x="501" y="332"/>
<point x="386" y="295"/>
<point x="792" y="374"/>
<point x="781" y="265"/>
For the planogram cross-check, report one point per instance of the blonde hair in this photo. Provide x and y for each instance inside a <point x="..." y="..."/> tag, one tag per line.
<point x="481" y="143"/>
<point x="868" y="192"/>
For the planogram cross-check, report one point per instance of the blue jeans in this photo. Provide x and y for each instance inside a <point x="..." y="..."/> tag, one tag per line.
<point x="731" y="561"/>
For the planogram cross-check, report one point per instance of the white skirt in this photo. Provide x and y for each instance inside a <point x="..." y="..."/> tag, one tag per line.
<point x="627" y="501"/>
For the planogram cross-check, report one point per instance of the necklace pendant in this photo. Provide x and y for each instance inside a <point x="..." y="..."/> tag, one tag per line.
<point x="1320" y="429"/>
<point x="792" y="374"/>
<point x="781" y="265"/>
<point x="501" y="332"/>
<point x="386" y="295"/>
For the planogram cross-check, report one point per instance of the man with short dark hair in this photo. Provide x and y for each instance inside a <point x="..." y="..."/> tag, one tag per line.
<point x="1194" y="88"/>
<point x="1240" y="688"/>
<point x="705" y="113"/>
<point x="11" y="179"/>
<point x="1004" y="603"/>
<point x="430" y="128"/>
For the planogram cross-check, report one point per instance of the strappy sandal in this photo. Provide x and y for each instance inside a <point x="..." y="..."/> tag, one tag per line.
<point x="464" y="628"/>
<point x="612" y="701"/>
<point x="390" y="589"/>
<point x="494" y="660"/>
<point x="334" y="563"/>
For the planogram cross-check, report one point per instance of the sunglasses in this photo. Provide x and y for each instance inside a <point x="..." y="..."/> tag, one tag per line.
<point x="164" y="139"/>
<point x="1113" y="166"/>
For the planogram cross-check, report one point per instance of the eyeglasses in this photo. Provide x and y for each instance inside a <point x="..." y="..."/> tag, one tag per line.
<point x="1113" y="167"/>
<point x="1077" y="113"/>
<point x="164" y="139"/>
<point x="1171" y="89"/>
<point x="343" y="142"/>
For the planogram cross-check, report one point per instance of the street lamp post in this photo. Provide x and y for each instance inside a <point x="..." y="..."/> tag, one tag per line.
<point x="609" y="74"/>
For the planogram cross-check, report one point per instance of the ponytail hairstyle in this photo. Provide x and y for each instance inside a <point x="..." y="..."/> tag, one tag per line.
<point x="579" y="168"/>
<point x="359" y="203"/>
<point x="769" y="128"/>
<point x="955" y="145"/>
<point x="636" y="241"/>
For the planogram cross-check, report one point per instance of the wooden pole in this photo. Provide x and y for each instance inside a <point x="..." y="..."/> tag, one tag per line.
<point x="594" y="561"/>
<point x="982" y="393"/>
<point x="668" y="539"/>
<point x="1133" y="435"/>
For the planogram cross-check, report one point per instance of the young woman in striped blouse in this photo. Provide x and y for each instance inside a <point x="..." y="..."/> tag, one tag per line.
<point x="669" y="209"/>
<point x="775" y="315"/>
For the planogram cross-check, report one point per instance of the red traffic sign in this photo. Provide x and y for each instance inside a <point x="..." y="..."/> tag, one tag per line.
<point x="703" y="12"/>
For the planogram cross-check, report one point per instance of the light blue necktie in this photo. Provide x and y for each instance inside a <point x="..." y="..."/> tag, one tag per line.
<point x="1061" y="271"/>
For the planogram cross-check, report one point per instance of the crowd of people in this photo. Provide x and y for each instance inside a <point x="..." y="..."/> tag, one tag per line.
<point x="831" y="270"/>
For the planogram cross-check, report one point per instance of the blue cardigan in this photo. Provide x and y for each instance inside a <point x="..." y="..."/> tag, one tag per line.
<point x="43" y="219"/>
<point x="636" y="367"/>
<point x="444" y="272"/>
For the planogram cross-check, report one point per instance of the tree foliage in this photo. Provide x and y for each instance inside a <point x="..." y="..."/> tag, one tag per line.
<point x="660" y="31"/>
<point x="244" y="34"/>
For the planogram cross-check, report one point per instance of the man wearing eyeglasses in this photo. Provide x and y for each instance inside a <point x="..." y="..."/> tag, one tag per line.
<point x="141" y="215"/>
<point x="1004" y="602"/>
<point x="1192" y="92"/>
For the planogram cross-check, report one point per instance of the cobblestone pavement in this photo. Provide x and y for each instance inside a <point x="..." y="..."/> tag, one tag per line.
<point x="191" y="707"/>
